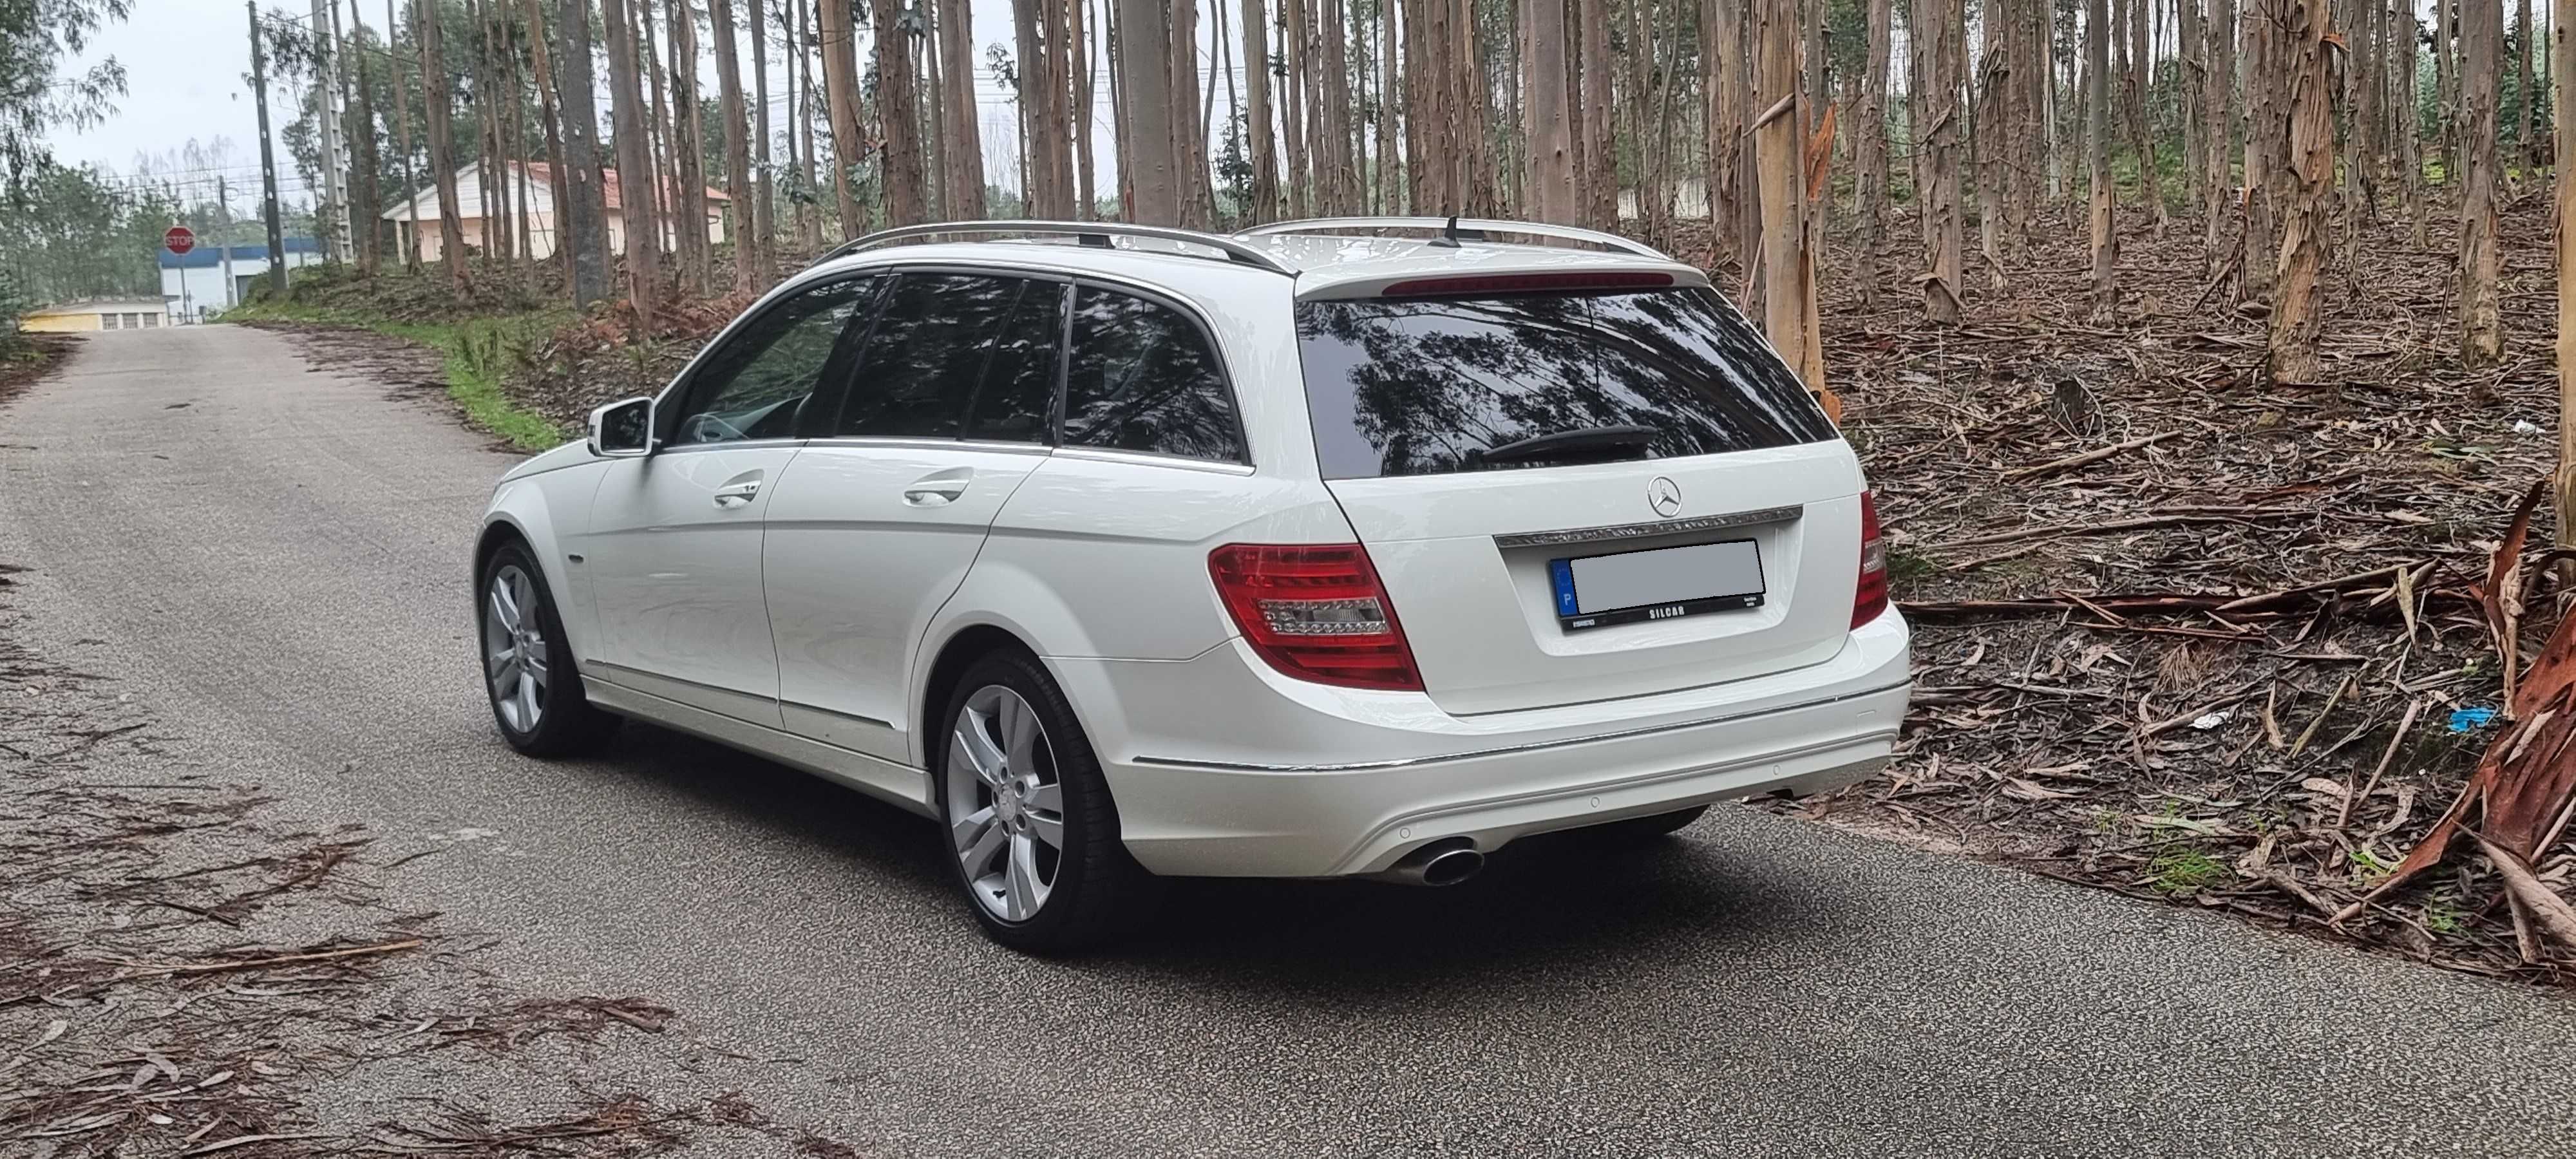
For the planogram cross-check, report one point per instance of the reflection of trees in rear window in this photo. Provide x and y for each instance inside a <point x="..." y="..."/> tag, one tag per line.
<point x="1142" y="378"/>
<point x="1423" y="386"/>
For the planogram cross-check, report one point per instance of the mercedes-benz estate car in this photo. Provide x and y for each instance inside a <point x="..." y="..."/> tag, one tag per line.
<point x="1352" y="548"/>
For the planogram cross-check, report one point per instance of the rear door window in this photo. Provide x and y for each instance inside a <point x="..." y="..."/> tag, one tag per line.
<point x="1422" y="386"/>
<point x="917" y="374"/>
<point x="1141" y="376"/>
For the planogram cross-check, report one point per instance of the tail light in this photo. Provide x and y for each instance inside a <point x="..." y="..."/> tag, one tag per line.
<point x="1869" y="599"/>
<point x="1316" y="613"/>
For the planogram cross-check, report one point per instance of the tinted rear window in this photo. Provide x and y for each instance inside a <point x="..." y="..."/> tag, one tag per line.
<point x="1421" y="386"/>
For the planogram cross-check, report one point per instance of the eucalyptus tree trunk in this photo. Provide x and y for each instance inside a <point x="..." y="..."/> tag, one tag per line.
<point x="442" y="158"/>
<point x="559" y="190"/>
<point x="1552" y="190"/>
<point x="2481" y="329"/>
<point x="2305" y="222"/>
<point x="763" y="226"/>
<point x="1869" y="147"/>
<point x="1990" y="141"/>
<point x="2097" y="156"/>
<point x="747" y="242"/>
<point x="2218" y="121"/>
<point x="1779" y="146"/>
<point x="582" y="228"/>
<point x="1145" y="59"/>
<point x="2562" y="56"/>
<point x="839" y="46"/>
<point x="688" y="139"/>
<point x="1721" y="48"/>
<point x="634" y="144"/>
<point x="1939" y="27"/>
<point x="899" y="112"/>
<point x="1600" y="155"/>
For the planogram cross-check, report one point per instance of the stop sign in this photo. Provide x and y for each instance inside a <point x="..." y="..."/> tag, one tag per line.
<point x="179" y="240"/>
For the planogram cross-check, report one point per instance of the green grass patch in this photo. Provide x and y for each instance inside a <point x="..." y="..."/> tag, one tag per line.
<point x="476" y="352"/>
<point x="2180" y="872"/>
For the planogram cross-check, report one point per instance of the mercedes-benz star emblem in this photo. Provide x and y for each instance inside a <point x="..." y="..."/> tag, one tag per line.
<point x="1665" y="496"/>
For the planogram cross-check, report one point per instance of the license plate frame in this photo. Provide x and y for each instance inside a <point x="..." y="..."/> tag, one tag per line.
<point x="1630" y="577"/>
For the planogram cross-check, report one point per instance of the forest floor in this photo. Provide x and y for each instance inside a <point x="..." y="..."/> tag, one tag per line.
<point x="2234" y="662"/>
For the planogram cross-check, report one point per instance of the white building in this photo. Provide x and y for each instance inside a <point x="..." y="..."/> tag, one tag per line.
<point x="203" y="283"/>
<point x="416" y="221"/>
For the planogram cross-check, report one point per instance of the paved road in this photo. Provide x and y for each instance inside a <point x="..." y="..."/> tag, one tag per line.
<point x="277" y="568"/>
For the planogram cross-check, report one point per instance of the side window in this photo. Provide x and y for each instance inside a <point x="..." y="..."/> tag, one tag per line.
<point x="754" y="385"/>
<point x="1141" y="377"/>
<point x="1018" y="388"/>
<point x="918" y="372"/>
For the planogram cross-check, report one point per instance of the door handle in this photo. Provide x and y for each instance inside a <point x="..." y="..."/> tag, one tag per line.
<point x="938" y="489"/>
<point x="733" y="495"/>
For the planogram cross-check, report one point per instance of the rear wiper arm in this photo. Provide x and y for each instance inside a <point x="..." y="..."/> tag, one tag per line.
<point x="1577" y="440"/>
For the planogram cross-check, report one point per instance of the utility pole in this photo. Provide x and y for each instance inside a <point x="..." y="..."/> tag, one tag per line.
<point x="224" y="237"/>
<point x="334" y="210"/>
<point x="267" y="155"/>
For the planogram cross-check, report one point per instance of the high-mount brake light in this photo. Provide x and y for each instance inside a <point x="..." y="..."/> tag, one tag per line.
<point x="1316" y="612"/>
<point x="1530" y="283"/>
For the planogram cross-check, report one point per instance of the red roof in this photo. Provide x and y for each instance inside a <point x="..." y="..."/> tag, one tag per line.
<point x="542" y="171"/>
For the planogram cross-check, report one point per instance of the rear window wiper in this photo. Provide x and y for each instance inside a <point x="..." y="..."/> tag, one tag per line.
<point x="1569" y="443"/>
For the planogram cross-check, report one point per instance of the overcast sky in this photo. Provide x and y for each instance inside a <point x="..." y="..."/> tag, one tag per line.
<point x="187" y="65"/>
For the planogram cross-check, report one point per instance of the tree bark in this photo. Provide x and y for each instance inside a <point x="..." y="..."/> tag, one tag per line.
<point x="1600" y="157"/>
<point x="2410" y="140"/>
<point x="2305" y="224"/>
<point x="635" y="202"/>
<point x="899" y="110"/>
<point x="2562" y="56"/>
<point x="764" y="227"/>
<point x="442" y="158"/>
<point x="365" y="200"/>
<point x="1869" y="191"/>
<point x="1259" y="139"/>
<point x="582" y="230"/>
<point x="1553" y="195"/>
<point x="1085" y="208"/>
<point x="2527" y="103"/>
<point x="1343" y="183"/>
<point x="2481" y="330"/>
<point x="1145" y="57"/>
<point x="2265" y="139"/>
<point x="1389" y="160"/>
<point x="1990" y="141"/>
<point x="402" y="143"/>
<point x="2218" y="119"/>
<point x="746" y="240"/>
<point x="549" y="102"/>
<point x="1779" y="146"/>
<point x="1042" y="197"/>
<point x="2097" y="156"/>
<point x="688" y="139"/>
<point x="1721" y="48"/>
<point x="2446" y="84"/>
<point x="1940" y="27"/>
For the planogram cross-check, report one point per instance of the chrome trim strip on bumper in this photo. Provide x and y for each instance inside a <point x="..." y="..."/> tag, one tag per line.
<point x="1642" y="530"/>
<point x="1533" y="746"/>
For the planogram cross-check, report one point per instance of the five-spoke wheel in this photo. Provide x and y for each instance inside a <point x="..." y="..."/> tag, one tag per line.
<point x="527" y="661"/>
<point x="1009" y="825"/>
<point x="1031" y="827"/>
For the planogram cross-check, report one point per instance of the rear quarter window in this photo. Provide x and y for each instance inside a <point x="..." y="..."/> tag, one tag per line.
<point x="1420" y="386"/>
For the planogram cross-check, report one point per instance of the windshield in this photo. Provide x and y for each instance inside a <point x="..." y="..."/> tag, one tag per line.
<point x="1422" y="386"/>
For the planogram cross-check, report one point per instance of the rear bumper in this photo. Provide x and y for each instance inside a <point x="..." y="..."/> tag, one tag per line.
<point x="1221" y="767"/>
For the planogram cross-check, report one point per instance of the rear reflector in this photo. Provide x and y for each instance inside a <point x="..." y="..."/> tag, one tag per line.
<point x="1530" y="283"/>
<point x="1315" y="612"/>
<point x="1869" y="599"/>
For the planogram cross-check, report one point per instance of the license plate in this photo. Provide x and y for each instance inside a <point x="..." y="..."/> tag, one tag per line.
<point x="1665" y="583"/>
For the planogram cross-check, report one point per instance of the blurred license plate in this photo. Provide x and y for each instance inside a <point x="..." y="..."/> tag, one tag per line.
<point x="1597" y="591"/>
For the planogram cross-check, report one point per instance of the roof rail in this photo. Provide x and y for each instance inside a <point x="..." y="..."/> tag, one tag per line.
<point x="1090" y="233"/>
<point x="1468" y="228"/>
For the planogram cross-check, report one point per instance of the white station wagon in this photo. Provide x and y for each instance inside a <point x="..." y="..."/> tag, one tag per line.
<point x="1346" y="548"/>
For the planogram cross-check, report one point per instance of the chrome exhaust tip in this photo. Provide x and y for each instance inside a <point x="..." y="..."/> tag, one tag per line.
<point x="1436" y="864"/>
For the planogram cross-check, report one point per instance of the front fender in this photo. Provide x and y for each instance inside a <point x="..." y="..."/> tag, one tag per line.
<point x="551" y="511"/>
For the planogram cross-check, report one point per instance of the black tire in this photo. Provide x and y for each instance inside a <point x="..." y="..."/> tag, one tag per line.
<point x="566" y="722"/>
<point x="1098" y="892"/>
<point x="1639" y="830"/>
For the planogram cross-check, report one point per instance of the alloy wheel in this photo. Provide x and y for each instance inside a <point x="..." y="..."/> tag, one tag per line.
<point x="1005" y="803"/>
<point x="515" y="656"/>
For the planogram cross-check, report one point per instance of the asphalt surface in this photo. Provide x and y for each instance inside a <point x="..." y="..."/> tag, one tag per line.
<point x="274" y="559"/>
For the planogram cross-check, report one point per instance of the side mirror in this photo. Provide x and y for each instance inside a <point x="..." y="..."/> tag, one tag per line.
<point x="622" y="430"/>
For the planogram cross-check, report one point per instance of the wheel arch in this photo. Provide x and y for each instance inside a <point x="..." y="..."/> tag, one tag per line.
<point x="520" y="514"/>
<point x="958" y="652"/>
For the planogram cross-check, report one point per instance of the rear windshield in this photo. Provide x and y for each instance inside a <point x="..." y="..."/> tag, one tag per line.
<point x="1423" y="386"/>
